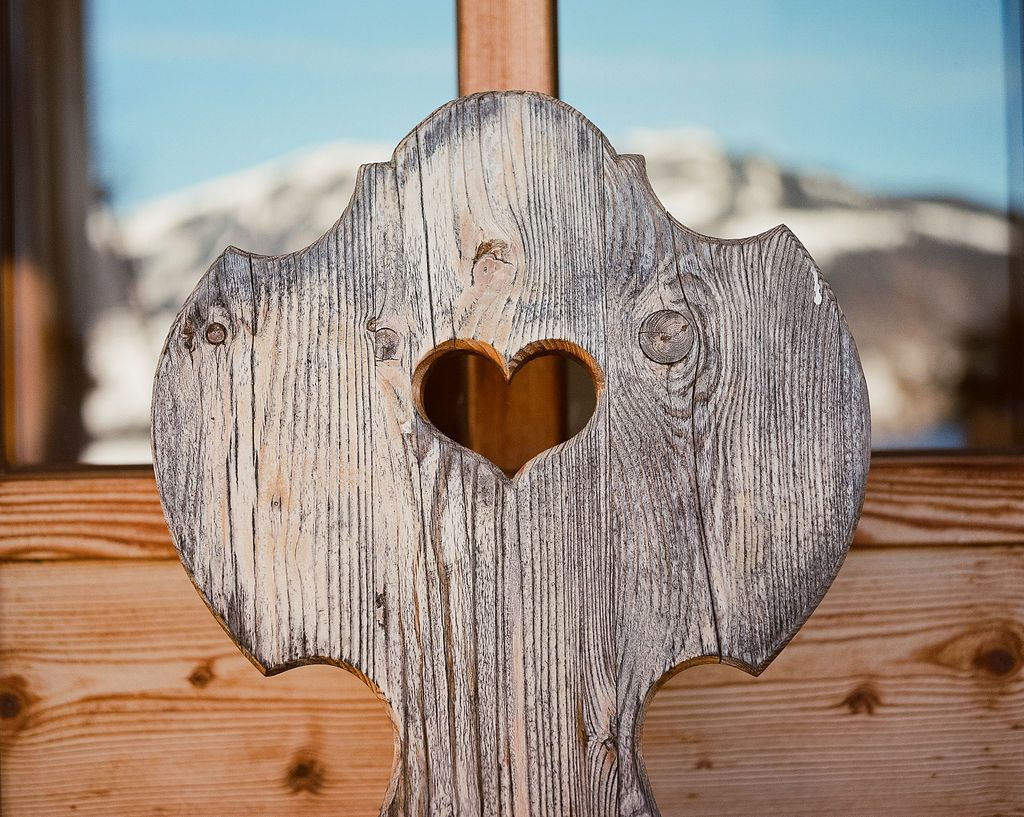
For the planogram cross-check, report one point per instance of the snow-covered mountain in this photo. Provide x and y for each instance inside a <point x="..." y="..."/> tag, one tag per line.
<point x="923" y="282"/>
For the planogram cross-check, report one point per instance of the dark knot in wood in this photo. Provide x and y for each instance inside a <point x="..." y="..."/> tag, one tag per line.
<point x="306" y="774"/>
<point x="15" y="700"/>
<point x="1001" y="656"/>
<point x="490" y="259"/>
<point x="495" y="248"/>
<point x="10" y="705"/>
<point x="863" y="700"/>
<point x="201" y="676"/>
<point x="665" y="336"/>
<point x="996" y="662"/>
<point x="216" y="334"/>
<point x="993" y="653"/>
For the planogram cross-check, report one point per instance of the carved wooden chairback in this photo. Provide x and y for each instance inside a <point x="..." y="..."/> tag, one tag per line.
<point x="516" y="627"/>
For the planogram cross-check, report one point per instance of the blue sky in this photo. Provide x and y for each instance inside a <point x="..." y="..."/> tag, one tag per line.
<point x="187" y="91"/>
<point x="895" y="95"/>
<point x="901" y="97"/>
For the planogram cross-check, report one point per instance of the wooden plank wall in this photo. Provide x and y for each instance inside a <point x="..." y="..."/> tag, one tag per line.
<point x="904" y="693"/>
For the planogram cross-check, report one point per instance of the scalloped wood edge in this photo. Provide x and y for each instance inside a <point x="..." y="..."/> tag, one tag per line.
<point x="516" y="629"/>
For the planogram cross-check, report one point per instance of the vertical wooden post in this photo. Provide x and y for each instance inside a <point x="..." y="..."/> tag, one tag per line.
<point x="44" y="253"/>
<point x="508" y="45"/>
<point x="511" y="45"/>
<point x="1014" y="377"/>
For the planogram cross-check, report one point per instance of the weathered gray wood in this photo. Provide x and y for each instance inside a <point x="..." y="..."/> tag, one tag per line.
<point x="516" y="627"/>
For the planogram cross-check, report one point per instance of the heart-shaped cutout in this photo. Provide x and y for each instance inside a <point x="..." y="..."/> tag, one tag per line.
<point x="508" y="413"/>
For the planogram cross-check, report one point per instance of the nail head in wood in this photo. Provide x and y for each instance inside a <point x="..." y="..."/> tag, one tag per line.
<point x="665" y="336"/>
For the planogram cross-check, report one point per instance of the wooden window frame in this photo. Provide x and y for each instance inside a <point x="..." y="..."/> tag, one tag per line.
<point x="113" y="512"/>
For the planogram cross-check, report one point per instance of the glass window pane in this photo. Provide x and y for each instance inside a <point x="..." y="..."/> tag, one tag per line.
<point x="206" y="125"/>
<point x="880" y="133"/>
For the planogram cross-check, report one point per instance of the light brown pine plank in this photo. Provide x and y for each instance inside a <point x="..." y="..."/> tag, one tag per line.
<point x="904" y="694"/>
<point x="911" y="501"/>
<point x="129" y="699"/>
<point x="83" y="515"/>
<point x="943" y="499"/>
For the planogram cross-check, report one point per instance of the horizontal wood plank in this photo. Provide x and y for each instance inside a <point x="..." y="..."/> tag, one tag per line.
<point x="83" y="516"/>
<point x="943" y="500"/>
<point x="122" y="695"/>
<point x="904" y="694"/>
<point x="926" y="500"/>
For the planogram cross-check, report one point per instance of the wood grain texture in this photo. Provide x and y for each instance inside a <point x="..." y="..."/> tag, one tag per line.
<point x="897" y="698"/>
<point x="119" y="695"/>
<point x="510" y="45"/>
<point x="82" y="516"/>
<point x="515" y="628"/>
<point x="911" y="501"/>
<point x="946" y="499"/>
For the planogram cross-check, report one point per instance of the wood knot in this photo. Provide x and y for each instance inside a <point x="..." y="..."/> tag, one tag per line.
<point x="216" y="334"/>
<point x="15" y="698"/>
<point x="994" y="652"/>
<point x="494" y="248"/>
<point x="863" y="700"/>
<point x="188" y="336"/>
<point x="306" y="774"/>
<point x="202" y="675"/>
<point x="610" y="742"/>
<point x="490" y="259"/>
<point x="665" y="337"/>
<point x="997" y="660"/>
<point x="10" y="705"/>
<point x="385" y="343"/>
